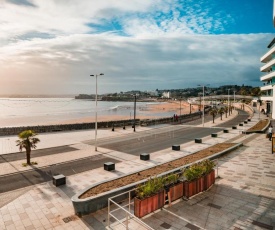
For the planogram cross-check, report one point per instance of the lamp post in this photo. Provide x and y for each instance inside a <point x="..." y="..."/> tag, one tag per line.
<point x="234" y="99"/>
<point x="203" y="103"/>
<point x="92" y="75"/>
<point x="134" y="126"/>
<point x="180" y="109"/>
<point x="228" y="102"/>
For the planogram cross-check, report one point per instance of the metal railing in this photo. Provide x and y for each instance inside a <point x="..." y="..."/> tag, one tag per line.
<point x="128" y="215"/>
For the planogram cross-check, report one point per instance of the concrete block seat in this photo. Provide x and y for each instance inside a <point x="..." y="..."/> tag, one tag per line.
<point x="226" y="131"/>
<point x="214" y="135"/>
<point x="176" y="147"/>
<point x="241" y="124"/>
<point x="109" y="166"/>
<point x="59" y="179"/>
<point x="234" y="127"/>
<point x="144" y="156"/>
<point x="198" y="140"/>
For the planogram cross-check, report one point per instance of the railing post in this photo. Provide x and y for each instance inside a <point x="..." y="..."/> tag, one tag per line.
<point x="108" y="213"/>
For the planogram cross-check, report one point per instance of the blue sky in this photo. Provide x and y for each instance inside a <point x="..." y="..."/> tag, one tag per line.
<point x="53" y="46"/>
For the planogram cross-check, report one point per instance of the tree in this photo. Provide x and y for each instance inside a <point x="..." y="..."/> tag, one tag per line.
<point x="221" y="111"/>
<point x="226" y="111"/>
<point x="213" y="112"/>
<point x="27" y="141"/>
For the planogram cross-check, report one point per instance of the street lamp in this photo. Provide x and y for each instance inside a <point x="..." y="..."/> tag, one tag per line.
<point x="180" y="109"/>
<point x="92" y="75"/>
<point x="234" y="99"/>
<point x="134" y="126"/>
<point x="228" y="102"/>
<point x="203" y="103"/>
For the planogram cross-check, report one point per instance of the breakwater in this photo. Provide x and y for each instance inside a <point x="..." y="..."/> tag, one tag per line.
<point x="5" y="131"/>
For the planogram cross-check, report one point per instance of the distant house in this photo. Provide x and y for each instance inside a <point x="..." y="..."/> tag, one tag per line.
<point x="166" y="94"/>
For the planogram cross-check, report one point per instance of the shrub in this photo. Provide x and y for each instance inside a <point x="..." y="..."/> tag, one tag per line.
<point x="207" y="166"/>
<point x="195" y="171"/>
<point x="150" y="187"/>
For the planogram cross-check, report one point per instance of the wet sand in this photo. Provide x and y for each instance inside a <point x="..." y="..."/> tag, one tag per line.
<point x="175" y="107"/>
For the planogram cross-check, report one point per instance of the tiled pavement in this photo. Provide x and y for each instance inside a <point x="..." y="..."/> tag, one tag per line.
<point x="242" y="198"/>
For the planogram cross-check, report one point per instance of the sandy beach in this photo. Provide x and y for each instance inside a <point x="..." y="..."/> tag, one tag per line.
<point x="175" y="107"/>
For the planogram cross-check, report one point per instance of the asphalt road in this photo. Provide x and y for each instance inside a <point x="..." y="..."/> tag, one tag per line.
<point x="149" y="141"/>
<point x="32" y="177"/>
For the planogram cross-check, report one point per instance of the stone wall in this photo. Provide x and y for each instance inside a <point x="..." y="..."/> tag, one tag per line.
<point x="82" y="126"/>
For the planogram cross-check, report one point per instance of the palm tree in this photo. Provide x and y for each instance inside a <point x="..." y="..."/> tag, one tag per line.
<point x="213" y="112"/>
<point x="226" y="111"/>
<point x="221" y="111"/>
<point x="27" y="141"/>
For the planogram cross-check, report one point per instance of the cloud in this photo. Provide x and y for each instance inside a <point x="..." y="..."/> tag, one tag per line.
<point x="63" y="64"/>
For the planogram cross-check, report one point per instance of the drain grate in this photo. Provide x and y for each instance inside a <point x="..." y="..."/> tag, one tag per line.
<point x="191" y="226"/>
<point x="67" y="219"/>
<point x="214" y="206"/>
<point x="165" y="225"/>
<point x="262" y="225"/>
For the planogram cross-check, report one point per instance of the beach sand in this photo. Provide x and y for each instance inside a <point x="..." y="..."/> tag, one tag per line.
<point x="170" y="106"/>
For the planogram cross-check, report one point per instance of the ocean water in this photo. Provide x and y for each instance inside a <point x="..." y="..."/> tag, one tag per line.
<point x="42" y="111"/>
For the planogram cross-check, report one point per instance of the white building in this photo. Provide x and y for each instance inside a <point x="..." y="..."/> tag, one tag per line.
<point x="166" y="94"/>
<point x="268" y="79"/>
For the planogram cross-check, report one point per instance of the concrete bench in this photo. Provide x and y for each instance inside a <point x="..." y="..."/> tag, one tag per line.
<point x="241" y="124"/>
<point x="226" y="131"/>
<point x="59" y="180"/>
<point x="234" y="127"/>
<point x="144" y="156"/>
<point x="176" y="147"/>
<point x="248" y="119"/>
<point x="198" y="140"/>
<point x="214" y="135"/>
<point x="245" y="122"/>
<point x="109" y="166"/>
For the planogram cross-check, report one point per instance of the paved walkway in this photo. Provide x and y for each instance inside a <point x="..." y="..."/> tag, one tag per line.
<point x="44" y="206"/>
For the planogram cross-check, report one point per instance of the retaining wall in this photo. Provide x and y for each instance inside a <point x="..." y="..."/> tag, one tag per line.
<point x="5" y="131"/>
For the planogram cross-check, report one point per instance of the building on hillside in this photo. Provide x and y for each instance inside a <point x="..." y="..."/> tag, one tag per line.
<point x="268" y="79"/>
<point x="166" y="94"/>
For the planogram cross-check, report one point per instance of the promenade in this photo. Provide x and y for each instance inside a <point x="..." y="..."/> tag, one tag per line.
<point x="242" y="198"/>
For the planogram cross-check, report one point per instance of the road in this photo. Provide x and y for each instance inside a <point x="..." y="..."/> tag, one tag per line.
<point x="156" y="139"/>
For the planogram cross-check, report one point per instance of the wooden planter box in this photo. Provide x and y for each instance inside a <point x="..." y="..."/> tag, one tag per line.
<point x="209" y="179"/>
<point x="190" y="188"/>
<point x="200" y="184"/>
<point x="149" y="204"/>
<point x="176" y="191"/>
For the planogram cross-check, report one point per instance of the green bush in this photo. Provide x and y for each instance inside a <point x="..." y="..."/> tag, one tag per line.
<point x="171" y="179"/>
<point x="197" y="170"/>
<point x="208" y="166"/>
<point x="150" y="187"/>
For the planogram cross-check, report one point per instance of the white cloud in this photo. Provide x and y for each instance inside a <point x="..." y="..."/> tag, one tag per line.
<point x="63" y="64"/>
<point x="47" y="46"/>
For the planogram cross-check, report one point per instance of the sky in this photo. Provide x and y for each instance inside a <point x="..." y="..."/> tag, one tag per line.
<point x="53" y="46"/>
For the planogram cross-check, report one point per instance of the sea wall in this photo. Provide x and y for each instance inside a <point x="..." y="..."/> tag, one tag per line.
<point x="5" y="131"/>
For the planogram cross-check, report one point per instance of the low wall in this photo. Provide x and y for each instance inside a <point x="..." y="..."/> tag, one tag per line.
<point x="103" y="124"/>
<point x="95" y="203"/>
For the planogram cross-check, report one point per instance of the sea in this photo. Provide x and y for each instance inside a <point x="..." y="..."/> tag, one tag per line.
<point x="42" y="111"/>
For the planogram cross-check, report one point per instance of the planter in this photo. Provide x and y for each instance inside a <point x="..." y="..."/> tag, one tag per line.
<point x="194" y="187"/>
<point x="176" y="191"/>
<point x="149" y="204"/>
<point x="209" y="179"/>
<point x="200" y="184"/>
<point x="190" y="188"/>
